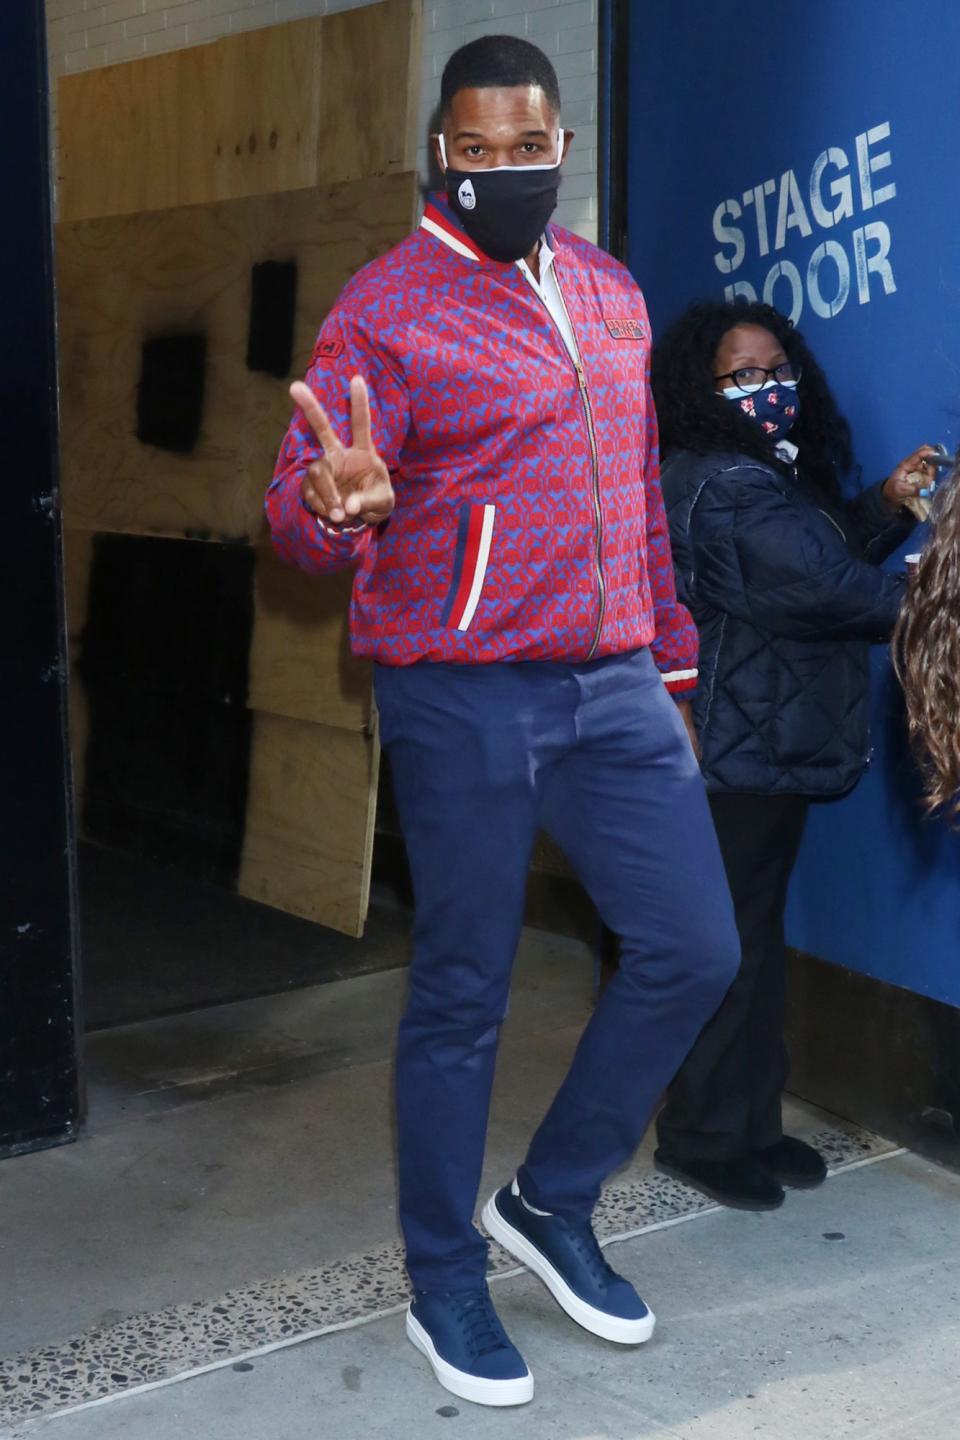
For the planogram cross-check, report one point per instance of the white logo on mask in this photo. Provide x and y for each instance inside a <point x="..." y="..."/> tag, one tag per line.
<point x="466" y="196"/>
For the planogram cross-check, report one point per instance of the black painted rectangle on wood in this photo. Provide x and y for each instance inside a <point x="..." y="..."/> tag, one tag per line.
<point x="273" y="300"/>
<point x="165" y="662"/>
<point x="170" y="393"/>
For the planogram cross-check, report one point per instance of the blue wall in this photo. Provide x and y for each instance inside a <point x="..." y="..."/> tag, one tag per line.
<point x="733" y="102"/>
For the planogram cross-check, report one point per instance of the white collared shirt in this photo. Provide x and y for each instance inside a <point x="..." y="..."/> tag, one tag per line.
<point x="549" y="292"/>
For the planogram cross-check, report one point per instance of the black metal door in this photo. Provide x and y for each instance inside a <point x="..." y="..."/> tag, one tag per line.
<point x="39" y="1084"/>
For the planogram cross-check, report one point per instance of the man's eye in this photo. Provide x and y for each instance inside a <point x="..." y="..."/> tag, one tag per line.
<point x="474" y="150"/>
<point x="530" y="148"/>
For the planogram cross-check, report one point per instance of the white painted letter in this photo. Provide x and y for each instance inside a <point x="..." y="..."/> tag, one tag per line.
<point x="757" y="196"/>
<point x="868" y="165"/>
<point x="728" y="235"/>
<point x="826" y="309"/>
<point x="878" y="263"/>
<point x="841" y="188"/>
<point x="791" y="211"/>
<point x="788" y="271"/>
<point x="740" y="287"/>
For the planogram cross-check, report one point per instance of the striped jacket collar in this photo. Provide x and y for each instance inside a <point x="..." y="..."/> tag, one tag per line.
<point x="440" y="221"/>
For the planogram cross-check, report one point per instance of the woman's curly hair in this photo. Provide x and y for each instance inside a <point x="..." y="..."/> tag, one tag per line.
<point x="692" y="416"/>
<point x="926" y="653"/>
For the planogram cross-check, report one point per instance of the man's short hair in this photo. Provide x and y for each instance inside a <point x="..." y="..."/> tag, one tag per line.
<point x="499" y="61"/>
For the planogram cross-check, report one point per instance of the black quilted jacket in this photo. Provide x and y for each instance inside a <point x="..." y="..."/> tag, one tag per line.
<point x="787" y="596"/>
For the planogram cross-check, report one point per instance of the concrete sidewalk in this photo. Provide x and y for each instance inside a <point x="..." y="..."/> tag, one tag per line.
<point x="838" y="1316"/>
<point x="235" y="1142"/>
<point x="234" y="1193"/>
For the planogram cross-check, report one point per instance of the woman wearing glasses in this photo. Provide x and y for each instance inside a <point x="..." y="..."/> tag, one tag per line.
<point x="782" y="577"/>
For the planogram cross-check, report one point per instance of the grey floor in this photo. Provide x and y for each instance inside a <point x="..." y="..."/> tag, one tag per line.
<point x="242" y="1140"/>
<point x="252" y="1140"/>
<point x="765" y="1329"/>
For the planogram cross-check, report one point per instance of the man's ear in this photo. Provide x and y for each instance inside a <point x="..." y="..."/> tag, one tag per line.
<point x="567" y="138"/>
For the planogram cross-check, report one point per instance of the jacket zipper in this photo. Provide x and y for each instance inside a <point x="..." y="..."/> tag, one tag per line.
<point x="834" y="524"/>
<point x="595" y="455"/>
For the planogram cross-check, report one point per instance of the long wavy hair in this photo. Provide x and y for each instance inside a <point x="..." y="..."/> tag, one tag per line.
<point x="926" y="653"/>
<point x="692" y="416"/>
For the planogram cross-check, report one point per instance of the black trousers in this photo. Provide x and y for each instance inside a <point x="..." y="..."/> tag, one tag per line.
<point x="725" y="1099"/>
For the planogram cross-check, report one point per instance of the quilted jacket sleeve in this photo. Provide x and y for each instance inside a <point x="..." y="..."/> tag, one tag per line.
<point x="879" y="529"/>
<point x="343" y="350"/>
<point x="772" y="559"/>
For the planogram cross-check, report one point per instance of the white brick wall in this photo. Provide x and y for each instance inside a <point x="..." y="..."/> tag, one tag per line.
<point x="567" y="31"/>
<point x="84" y="34"/>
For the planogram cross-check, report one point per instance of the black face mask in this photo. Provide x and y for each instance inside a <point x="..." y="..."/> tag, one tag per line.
<point x="505" y="211"/>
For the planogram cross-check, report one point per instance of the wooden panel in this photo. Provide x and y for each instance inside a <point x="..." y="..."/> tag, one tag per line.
<point x="124" y="279"/>
<point x="206" y="161"/>
<point x="300" y="660"/>
<point x="310" y="813"/>
<point x="211" y="122"/>
<point x="375" y="50"/>
<point x="287" y="107"/>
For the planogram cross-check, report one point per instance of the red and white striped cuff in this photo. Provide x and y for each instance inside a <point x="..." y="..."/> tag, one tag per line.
<point x="331" y="529"/>
<point x="677" y="681"/>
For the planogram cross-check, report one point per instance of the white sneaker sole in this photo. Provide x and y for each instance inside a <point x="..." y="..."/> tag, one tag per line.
<point x="464" y="1386"/>
<point x="598" y="1322"/>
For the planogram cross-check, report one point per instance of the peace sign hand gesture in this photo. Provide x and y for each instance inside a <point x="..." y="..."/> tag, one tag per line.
<point x="344" y="484"/>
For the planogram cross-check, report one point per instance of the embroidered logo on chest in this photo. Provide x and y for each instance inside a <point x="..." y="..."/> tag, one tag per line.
<point x="328" y="349"/>
<point x="627" y="329"/>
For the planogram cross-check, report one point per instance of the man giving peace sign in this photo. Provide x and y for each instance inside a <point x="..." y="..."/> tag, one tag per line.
<point x="476" y="438"/>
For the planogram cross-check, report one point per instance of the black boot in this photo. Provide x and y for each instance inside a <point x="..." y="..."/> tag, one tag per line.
<point x="742" y="1183"/>
<point x="793" y="1162"/>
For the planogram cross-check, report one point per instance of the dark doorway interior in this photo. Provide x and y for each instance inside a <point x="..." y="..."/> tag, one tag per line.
<point x="157" y="941"/>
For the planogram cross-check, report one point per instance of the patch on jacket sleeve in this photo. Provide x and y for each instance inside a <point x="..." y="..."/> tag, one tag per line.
<point x="328" y="349"/>
<point x="627" y="329"/>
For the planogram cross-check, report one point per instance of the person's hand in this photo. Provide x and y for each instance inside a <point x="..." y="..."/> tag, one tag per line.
<point x="910" y="477"/>
<point x="344" y="484"/>
<point x="686" y="714"/>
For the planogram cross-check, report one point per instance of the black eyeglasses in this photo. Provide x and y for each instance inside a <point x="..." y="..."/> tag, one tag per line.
<point x="752" y="378"/>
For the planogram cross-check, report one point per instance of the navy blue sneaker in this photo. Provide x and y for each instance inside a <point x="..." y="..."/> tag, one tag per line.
<point x="472" y="1356"/>
<point x="567" y="1258"/>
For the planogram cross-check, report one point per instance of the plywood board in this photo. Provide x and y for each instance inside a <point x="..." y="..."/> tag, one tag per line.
<point x="309" y="830"/>
<point x="300" y="660"/>
<point x="125" y="279"/>
<point x="376" y="49"/>
<point x="285" y="107"/>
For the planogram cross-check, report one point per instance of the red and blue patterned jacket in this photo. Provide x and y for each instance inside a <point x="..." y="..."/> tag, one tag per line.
<point x="529" y="522"/>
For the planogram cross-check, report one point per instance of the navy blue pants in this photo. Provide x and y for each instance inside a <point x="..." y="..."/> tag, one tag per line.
<point x="597" y="755"/>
